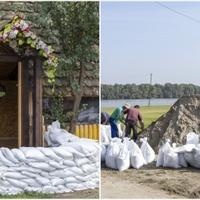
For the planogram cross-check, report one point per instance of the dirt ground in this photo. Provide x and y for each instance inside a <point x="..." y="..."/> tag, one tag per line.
<point x="150" y="182"/>
<point x="84" y="194"/>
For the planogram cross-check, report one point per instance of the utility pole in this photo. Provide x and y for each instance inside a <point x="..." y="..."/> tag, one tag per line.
<point x="149" y="103"/>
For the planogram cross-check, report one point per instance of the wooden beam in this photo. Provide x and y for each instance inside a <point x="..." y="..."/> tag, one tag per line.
<point x="25" y="100"/>
<point x="19" y="104"/>
<point x="38" y="125"/>
<point x="9" y="59"/>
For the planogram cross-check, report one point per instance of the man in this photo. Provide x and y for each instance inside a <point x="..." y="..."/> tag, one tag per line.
<point x="105" y="118"/>
<point x="132" y="118"/>
<point x="116" y="117"/>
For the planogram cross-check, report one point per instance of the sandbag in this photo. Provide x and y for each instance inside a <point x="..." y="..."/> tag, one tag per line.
<point x="147" y="152"/>
<point x="163" y="149"/>
<point x="123" y="158"/>
<point x="192" y="138"/>
<point x="103" y="152"/>
<point x="181" y="160"/>
<point x="104" y="136"/>
<point x="111" y="154"/>
<point x="171" y="159"/>
<point x="136" y="156"/>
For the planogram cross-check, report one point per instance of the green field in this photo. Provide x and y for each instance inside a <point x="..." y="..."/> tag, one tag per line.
<point x="149" y="114"/>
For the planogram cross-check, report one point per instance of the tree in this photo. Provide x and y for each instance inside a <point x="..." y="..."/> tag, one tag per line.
<point x="76" y="27"/>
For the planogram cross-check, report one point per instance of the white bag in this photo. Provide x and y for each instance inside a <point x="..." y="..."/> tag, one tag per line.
<point x="136" y="156"/>
<point x="123" y="158"/>
<point x="181" y="160"/>
<point x="147" y="151"/>
<point x="192" y="138"/>
<point x="111" y="154"/>
<point x="171" y="159"/>
<point x="104" y="136"/>
<point x="164" y="148"/>
<point x="103" y="152"/>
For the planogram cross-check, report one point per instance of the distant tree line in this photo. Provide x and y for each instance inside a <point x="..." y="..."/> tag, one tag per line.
<point x="143" y="91"/>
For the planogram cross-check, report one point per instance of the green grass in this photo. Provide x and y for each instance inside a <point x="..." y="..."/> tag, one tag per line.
<point x="27" y="195"/>
<point x="150" y="114"/>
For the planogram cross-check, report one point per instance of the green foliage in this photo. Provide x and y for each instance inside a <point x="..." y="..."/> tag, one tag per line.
<point x="76" y="28"/>
<point x="56" y="111"/>
<point x="143" y="91"/>
<point x="27" y="195"/>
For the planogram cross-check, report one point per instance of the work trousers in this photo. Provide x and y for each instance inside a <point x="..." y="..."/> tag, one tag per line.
<point x="131" y="125"/>
<point x="114" y="128"/>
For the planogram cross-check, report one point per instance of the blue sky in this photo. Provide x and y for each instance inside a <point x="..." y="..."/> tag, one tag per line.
<point x="139" y="38"/>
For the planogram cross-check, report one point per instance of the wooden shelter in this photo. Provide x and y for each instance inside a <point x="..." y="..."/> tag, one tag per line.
<point x="25" y="91"/>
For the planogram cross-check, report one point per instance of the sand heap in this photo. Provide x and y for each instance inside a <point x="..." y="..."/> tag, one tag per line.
<point x="182" y="118"/>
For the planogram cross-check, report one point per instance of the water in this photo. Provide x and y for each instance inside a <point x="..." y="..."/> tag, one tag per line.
<point x="141" y="102"/>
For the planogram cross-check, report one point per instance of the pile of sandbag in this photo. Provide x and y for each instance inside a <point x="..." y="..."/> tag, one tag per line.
<point x="55" y="136"/>
<point x="181" y="156"/>
<point x="70" y="167"/>
<point x="122" y="155"/>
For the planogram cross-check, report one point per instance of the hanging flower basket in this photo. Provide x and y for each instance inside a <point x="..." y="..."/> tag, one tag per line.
<point x="17" y="34"/>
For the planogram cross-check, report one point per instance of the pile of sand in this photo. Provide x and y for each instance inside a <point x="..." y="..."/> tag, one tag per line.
<point x="182" y="118"/>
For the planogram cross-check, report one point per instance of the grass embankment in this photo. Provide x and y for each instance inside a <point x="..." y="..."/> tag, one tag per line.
<point x="150" y="114"/>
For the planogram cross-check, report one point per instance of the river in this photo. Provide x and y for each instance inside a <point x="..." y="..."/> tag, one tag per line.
<point x="141" y="102"/>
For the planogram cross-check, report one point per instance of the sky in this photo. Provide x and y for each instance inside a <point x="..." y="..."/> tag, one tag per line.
<point x="139" y="38"/>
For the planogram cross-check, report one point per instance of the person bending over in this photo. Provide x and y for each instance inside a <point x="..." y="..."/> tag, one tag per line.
<point x="116" y="117"/>
<point x="132" y="118"/>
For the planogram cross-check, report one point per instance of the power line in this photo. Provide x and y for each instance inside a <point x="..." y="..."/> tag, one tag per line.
<point x="177" y="12"/>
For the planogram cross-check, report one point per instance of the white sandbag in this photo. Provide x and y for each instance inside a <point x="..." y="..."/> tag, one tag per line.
<point x="69" y="163"/>
<point x="181" y="160"/>
<point x="42" y="181"/>
<point x="111" y="154"/>
<point x="171" y="159"/>
<point x="136" y="156"/>
<point x="61" y="173"/>
<point x="147" y="151"/>
<point x="185" y="148"/>
<point x="106" y="134"/>
<point x="30" y="174"/>
<point x="89" y="168"/>
<point x="14" y="175"/>
<point x="82" y="161"/>
<point x="56" y="165"/>
<point x="75" y="170"/>
<point x="5" y="161"/>
<point x="41" y="165"/>
<point x="17" y="183"/>
<point x="64" y="152"/>
<point x="31" y="182"/>
<point x="57" y="181"/>
<point x="104" y="137"/>
<point x="123" y="158"/>
<point x="192" y="138"/>
<point x="18" y="154"/>
<point x="103" y="152"/>
<point x="71" y="180"/>
<point x="193" y="158"/>
<point x="120" y="132"/>
<point x="50" y="153"/>
<point x="9" y="155"/>
<point x="33" y="153"/>
<point x="164" y="148"/>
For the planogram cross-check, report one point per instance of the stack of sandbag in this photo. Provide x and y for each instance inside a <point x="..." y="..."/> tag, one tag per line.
<point x="55" y="136"/>
<point x="122" y="155"/>
<point x="49" y="170"/>
<point x="182" y="156"/>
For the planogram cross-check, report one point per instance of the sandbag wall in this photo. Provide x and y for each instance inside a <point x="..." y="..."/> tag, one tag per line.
<point x="50" y="170"/>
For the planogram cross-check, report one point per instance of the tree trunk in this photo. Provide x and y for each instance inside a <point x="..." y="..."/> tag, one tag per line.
<point x="77" y="99"/>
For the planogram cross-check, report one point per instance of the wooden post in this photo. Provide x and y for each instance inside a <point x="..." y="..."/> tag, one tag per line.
<point x="38" y="125"/>
<point x="19" y="104"/>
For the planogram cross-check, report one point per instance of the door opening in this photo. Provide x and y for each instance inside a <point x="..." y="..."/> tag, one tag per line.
<point x="9" y="104"/>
